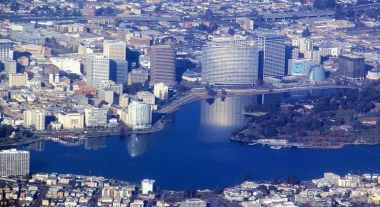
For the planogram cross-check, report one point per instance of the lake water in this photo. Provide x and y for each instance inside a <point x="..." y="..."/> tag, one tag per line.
<point x="193" y="151"/>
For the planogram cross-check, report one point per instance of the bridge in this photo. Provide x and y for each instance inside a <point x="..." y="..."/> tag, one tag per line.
<point x="199" y="94"/>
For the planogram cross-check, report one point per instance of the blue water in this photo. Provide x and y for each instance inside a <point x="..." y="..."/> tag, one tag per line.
<point x="193" y="151"/>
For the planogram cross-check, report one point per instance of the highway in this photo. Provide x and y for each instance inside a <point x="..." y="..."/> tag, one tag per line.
<point x="198" y="94"/>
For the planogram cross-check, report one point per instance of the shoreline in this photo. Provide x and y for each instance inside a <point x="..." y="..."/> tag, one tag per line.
<point x="160" y="124"/>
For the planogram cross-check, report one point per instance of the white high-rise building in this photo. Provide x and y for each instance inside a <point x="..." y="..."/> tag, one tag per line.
<point x="147" y="186"/>
<point x="161" y="91"/>
<point x="115" y="49"/>
<point x="95" y="117"/>
<point x="14" y="162"/>
<point x="98" y="70"/>
<point x="34" y="118"/>
<point x="139" y="115"/>
<point x="6" y="49"/>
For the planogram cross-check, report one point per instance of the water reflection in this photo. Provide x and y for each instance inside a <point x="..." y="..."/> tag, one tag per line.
<point x="137" y="144"/>
<point x="95" y="143"/>
<point x="37" y="146"/>
<point x="225" y="113"/>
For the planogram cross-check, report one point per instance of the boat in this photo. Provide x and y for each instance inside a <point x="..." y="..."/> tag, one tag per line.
<point x="276" y="147"/>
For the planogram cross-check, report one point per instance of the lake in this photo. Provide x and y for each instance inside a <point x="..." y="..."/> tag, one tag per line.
<point x="194" y="151"/>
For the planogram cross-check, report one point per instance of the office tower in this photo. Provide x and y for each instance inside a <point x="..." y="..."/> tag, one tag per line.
<point x="137" y="76"/>
<point x="14" y="162"/>
<point x="10" y="66"/>
<point x="274" y="54"/>
<point x="95" y="117"/>
<point x="139" y="115"/>
<point x="98" y="70"/>
<point x="351" y="66"/>
<point x="226" y="62"/>
<point x="162" y="60"/>
<point x="89" y="10"/>
<point x="6" y="49"/>
<point x="116" y="51"/>
<point x="118" y="71"/>
<point x="34" y="118"/>
<point x="161" y="91"/>
<point x="72" y="120"/>
<point x="147" y="186"/>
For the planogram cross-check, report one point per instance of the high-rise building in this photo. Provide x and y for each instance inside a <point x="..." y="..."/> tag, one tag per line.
<point x="95" y="117"/>
<point x="14" y="162"/>
<point x="274" y="54"/>
<point x="146" y="97"/>
<point x="119" y="71"/>
<point x="162" y="61"/>
<point x="34" y="118"/>
<point x="351" y="66"/>
<point x="226" y="62"/>
<point x="6" y="49"/>
<point x="116" y="51"/>
<point x="98" y="70"/>
<point x="139" y="115"/>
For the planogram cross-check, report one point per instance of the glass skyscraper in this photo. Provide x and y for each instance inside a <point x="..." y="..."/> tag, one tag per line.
<point x="274" y="54"/>
<point x="229" y="62"/>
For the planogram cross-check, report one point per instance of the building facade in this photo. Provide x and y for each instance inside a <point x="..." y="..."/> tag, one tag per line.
<point x="34" y="118"/>
<point x="227" y="62"/>
<point x="351" y="67"/>
<point x="14" y="162"/>
<point x="162" y="60"/>
<point x="274" y="54"/>
<point x="139" y="115"/>
<point x="98" y="70"/>
<point x="6" y="49"/>
<point x="95" y="117"/>
<point x="73" y="120"/>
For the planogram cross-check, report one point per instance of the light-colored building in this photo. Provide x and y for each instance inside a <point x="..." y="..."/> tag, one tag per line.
<point x="18" y="80"/>
<point x="14" y="162"/>
<point x="161" y="91"/>
<point x="147" y="186"/>
<point x="124" y="100"/>
<point x="34" y="118"/>
<point x="300" y="67"/>
<point x="10" y="66"/>
<point x="6" y="49"/>
<point x="72" y="120"/>
<point x="115" y="49"/>
<point x="70" y="65"/>
<point x="137" y="76"/>
<point x="146" y="97"/>
<point x="230" y="62"/>
<point x="194" y="202"/>
<point x="139" y="115"/>
<point x="106" y="95"/>
<point x="98" y="70"/>
<point x="95" y="117"/>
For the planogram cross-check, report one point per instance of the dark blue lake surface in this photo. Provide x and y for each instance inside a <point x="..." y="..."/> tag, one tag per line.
<point x="193" y="151"/>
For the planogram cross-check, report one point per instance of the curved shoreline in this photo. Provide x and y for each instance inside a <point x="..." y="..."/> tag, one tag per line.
<point x="203" y="95"/>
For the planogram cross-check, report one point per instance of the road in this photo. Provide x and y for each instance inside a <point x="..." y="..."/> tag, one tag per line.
<point x="199" y="94"/>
